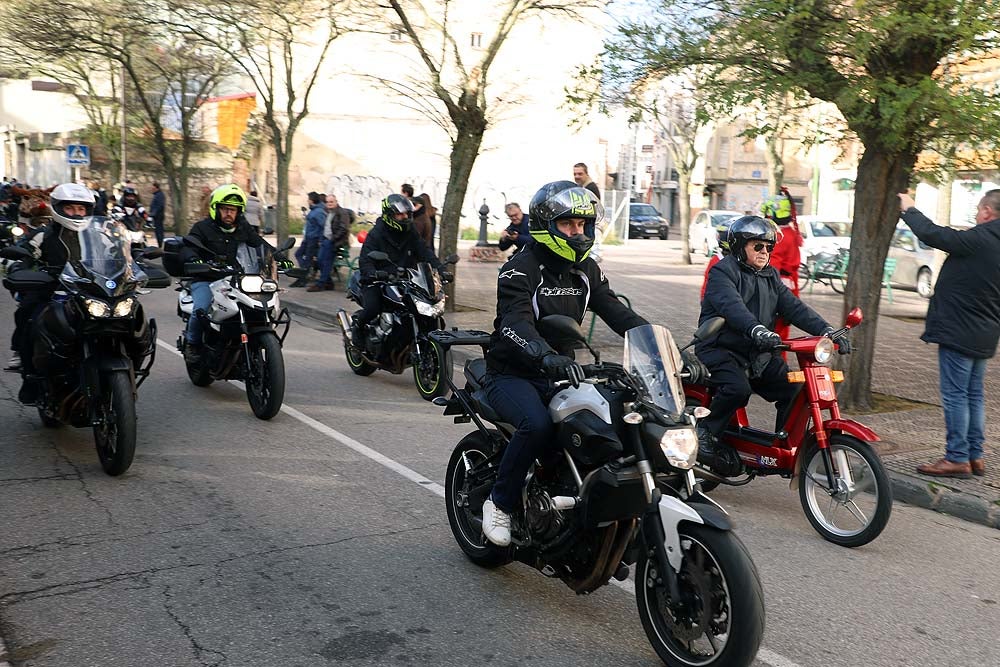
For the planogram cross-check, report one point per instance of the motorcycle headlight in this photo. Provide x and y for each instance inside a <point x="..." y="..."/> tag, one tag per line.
<point x="824" y="351"/>
<point x="269" y="286"/>
<point x="16" y="231"/>
<point x="124" y="307"/>
<point x="137" y="237"/>
<point x="430" y="310"/>
<point x="97" y="308"/>
<point x="680" y="446"/>
<point x="252" y="284"/>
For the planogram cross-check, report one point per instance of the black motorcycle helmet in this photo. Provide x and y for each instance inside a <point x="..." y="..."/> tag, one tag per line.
<point x="564" y="199"/>
<point x="394" y="204"/>
<point x="750" y="228"/>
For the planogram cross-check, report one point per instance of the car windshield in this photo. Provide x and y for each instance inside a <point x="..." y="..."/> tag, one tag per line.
<point x="644" y="209"/>
<point x="830" y="228"/>
<point x="652" y="358"/>
<point x="719" y="218"/>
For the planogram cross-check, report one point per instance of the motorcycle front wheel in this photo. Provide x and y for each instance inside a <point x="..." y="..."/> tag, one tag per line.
<point x="464" y="502"/>
<point x="858" y="509"/>
<point x="720" y="617"/>
<point x="265" y="375"/>
<point x="429" y="370"/>
<point x="115" y="432"/>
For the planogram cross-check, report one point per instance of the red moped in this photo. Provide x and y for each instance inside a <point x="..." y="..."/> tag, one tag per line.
<point x="843" y="486"/>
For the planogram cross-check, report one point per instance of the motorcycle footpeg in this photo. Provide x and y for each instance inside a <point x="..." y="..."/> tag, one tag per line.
<point x="621" y="574"/>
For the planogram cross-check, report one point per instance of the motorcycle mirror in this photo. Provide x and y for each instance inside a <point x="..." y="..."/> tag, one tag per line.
<point x="289" y="242"/>
<point x="158" y="279"/>
<point x="267" y="231"/>
<point x="378" y="256"/>
<point x="15" y="253"/>
<point x="194" y="241"/>
<point x="854" y="317"/>
<point x="560" y="328"/>
<point x="708" y="329"/>
<point x="451" y="259"/>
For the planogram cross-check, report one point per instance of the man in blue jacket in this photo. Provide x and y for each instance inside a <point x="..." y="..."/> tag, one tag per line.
<point x="313" y="235"/>
<point x="963" y="318"/>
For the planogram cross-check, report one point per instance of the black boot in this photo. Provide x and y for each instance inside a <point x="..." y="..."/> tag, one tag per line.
<point x="718" y="456"/>
<point x="193" y="354"/>
<point x="29" y="392"/>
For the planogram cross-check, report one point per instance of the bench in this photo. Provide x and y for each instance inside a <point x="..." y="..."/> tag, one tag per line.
<point x="342" y="258"/>
<point x="834" y="273"/>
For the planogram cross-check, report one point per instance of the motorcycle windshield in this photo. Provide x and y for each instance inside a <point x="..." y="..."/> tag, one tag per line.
<point x="250" y="259"/>
<point x="101" y="253"/>
<point x="652" y="357"/>
<point x="427" y="279"/>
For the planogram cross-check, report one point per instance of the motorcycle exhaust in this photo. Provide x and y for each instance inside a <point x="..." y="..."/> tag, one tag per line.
<point x="344" y="321"/>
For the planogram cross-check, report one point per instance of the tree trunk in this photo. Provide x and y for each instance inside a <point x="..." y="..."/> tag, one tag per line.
<point x="774" y="157"/>
<point x="281" y="204"/>
<point x="684" y="213"/>
<point x="464" y="151"/>
<point x="881" y="177"/>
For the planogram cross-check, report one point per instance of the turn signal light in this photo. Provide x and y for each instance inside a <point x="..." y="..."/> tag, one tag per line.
<point x="836" y="376"/>
<point x="798" y="376"/>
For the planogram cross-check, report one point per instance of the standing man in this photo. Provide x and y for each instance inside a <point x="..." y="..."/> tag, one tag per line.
<point x="582" y="178"/>
<point x="312" y="235"/>
<point x="252" y="214"/>
<point x="335" y="230"/>
<point x="158" y="211"/>
<point x="517" y="233"/>
<point x="963" y="318"/>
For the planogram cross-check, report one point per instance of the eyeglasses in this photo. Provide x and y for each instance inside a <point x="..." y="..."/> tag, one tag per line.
<point x="757" y="247"/>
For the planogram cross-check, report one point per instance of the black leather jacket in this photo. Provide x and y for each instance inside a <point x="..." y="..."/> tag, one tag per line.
<point x="405" y="249"/>
<point x="220" y="243"/>
<point x="535" y="283"/>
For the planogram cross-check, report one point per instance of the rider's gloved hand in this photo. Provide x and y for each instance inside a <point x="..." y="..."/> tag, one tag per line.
<point x="560" y="367"/>
<point x="447" y="276"/>
<point x="842" y="341"/>
<point x="697" y="372"/>
<point x="764" y="339"/>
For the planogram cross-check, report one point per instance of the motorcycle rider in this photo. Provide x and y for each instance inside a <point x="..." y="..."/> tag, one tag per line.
<point x="221" y="233"/>
<point x="128" y="209"/>
<point x="394" y="235"/>
<point x="747" y="291"/>
<point x="70" y="206"/>
<point x="553" y="275"/>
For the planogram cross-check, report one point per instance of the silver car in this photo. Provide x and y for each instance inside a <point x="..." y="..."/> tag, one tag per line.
<point x="914" y="262"/>
<point x="703" y="235"/>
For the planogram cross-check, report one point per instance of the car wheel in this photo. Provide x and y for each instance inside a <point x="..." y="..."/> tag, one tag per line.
<point x="664" y="234"/>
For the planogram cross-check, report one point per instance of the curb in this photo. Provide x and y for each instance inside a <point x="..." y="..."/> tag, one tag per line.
<point x="937" y="496"/>
<point x="917" y="491"/>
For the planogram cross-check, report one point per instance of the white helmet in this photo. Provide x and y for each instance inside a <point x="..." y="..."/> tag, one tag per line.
<point x="71" y="193"/>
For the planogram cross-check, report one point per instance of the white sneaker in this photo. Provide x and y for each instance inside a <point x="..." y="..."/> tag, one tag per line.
<point x="496" y="524"/>
<point x="15" y="362"/>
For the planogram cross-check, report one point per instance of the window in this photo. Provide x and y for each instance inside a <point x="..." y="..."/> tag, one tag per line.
<point x="477" y="40"/>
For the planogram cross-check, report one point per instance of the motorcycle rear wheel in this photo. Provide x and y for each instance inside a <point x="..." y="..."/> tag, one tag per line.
<point x="356" y="362"/>
<point x="864" y="509"/>
<point x="266" y="377"/>
<point x="428" y="374"/>
<point x="465" y="515"/>
<point x="115" y="435"/>
<point x="724" y="597"/>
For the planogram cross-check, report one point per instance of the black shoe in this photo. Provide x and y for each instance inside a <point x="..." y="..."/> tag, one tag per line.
<point x="721" y="458"/>
<point x="301" y="282"/>
<point x="29" y="392"/>
<point x="192" y="354"/>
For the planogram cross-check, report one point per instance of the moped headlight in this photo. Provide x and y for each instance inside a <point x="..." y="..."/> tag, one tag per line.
<point x="252" y="284"/>
<point x="124" y="307"/>
<point x="824" y="351"/>
<point x="680" y="446"/>
<point x="97" y="308"/>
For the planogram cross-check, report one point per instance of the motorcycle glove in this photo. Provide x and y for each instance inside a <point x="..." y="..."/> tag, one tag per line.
<point x="764" y="339"/>
<point x="697" y="371"/>
<point x="561" y="367"/>
<point x="842" y="341"/>
<point x="447" y="276"/>
<point x="286" y="264"/>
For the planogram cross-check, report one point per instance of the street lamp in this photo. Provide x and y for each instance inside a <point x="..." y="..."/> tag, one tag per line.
<point x="484" y="212"/>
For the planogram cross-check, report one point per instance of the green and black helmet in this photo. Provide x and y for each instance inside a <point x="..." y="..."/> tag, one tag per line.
<point x="230" y="195"/>
<point x="559" y="200"/>
<point x="394" y="205"/>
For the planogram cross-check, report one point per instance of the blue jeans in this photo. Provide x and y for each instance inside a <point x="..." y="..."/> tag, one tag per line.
<point x="201" y="292"/>
<point x="521" y="402"/>
<point x="964" y="409"/>
<point x="306" y="252"/>
<point x="327" y="253"/>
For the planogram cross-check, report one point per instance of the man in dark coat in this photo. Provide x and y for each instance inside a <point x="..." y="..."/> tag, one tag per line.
<point x="963" y="318"/>
<point x="158" y="212"/>
<point x="742" y="358"/>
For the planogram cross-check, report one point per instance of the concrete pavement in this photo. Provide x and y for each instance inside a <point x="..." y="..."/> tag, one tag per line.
<point x="665" y="291"/>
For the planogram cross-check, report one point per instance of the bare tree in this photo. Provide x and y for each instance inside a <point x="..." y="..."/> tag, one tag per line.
<point x="459" y="83"/>
<point x="281" y="46"/>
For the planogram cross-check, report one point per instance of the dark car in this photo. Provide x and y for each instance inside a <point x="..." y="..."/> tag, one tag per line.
<point x="644" y="222"/>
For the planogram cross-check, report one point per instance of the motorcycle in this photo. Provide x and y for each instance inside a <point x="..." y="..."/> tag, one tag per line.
<point x="622" y="493"/>
<point x="93" y="346"/>
<point x="412" y="306"/>
<point x="830" y="459"/>
<point x="10" y="233"/>
<point x="240" y="333"/>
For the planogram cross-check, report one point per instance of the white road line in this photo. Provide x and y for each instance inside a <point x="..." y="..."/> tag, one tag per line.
<point x="763" y="655"/>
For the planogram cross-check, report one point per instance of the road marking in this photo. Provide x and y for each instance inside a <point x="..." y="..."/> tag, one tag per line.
<point x="763" y="655"/>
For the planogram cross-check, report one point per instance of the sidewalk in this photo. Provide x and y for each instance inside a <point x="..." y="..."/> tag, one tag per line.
<point x="666" y="292"/>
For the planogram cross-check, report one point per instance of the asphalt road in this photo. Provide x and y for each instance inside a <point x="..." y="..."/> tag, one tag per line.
<point x="320" y="538"/>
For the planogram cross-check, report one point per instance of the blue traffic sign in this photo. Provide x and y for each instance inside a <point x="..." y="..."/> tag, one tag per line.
<point x="78" y="155"/>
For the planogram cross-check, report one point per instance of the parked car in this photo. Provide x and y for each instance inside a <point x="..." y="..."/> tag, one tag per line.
<point x="644" y="222"/>
<point x="914" y="262"/>
<point x="823" y="234"/>
<point x="702" y="235"/>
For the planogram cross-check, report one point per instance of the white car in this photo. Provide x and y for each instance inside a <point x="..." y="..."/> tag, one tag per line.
<point x="703" y="235"/>
<point x="823" y="234"/>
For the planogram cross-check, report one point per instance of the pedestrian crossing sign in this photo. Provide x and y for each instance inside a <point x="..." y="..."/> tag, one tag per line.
<point x="78" y="155"/>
